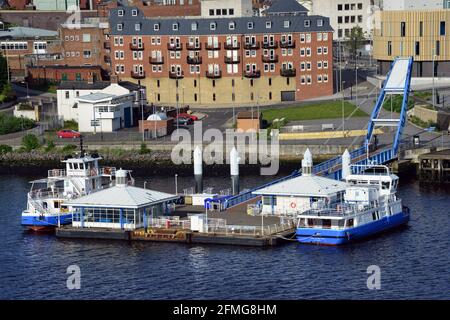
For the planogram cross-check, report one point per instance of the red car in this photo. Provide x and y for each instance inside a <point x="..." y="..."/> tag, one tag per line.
<point x="66" y="133"/>
<point x="191" y="116"/>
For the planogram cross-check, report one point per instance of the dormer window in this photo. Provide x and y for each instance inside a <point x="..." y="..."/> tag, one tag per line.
<point x="250" y="25"/>
<point x="175" y="27"/>
<point x="287" y="24"/>
<point x="156" y="27"/>
<point x="307" y="23"/>
<point x="120" y="13"/>
<point x="119" y="27"/>
<point x="194" y="26"/>
<point x="212" y="26"/>
<point x="137" y="27"/>
<point x="268" y="24"/>
<point x="231" y="26"/>
<point x="320" y="23"/>
<point x="134" y="13"/>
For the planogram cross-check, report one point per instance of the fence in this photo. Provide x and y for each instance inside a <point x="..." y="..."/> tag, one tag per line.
<point x="126" y="136"/>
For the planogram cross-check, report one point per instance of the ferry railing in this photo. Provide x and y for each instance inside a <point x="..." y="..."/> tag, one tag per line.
<point x="55" y="173"/>
<point x="41" y="194"/>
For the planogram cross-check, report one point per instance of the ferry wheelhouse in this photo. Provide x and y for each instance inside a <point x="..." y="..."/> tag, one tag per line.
<point x="46" y="207"/>
<point x="369" y="206"/>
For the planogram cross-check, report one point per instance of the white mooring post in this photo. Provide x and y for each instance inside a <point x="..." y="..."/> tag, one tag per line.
<point x="198" y="170"/>
<point x="234" y="170"/>
<point x="346" y="164"/>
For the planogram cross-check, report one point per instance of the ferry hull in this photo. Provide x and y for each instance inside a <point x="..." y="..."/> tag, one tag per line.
<point x="44" y="223"/>
<point x="340" y="237"/>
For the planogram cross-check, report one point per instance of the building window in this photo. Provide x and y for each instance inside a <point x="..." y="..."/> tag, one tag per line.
<point x="175" y="27"/>
<point x="307" y="23"/>
<point x="417" y="48"/>
<point x="442" y="28"/>
<point x="211" y="12"/>
<point x="212" y="26"/>
<point x="402" y="29"/>
<point x="158" y="83"/>
<point x="421" y="29"/>
<point x="119" y="27"/>
<point x="214" y="97"/>
<point x="268" y="24"/>
<point x="120" y="13"/>
<point x="137" y="26"/>
<point x="270" y="95"/>
<point x="287" y="24"/>
<point x="156" y="26"/>
<point x="389" y="48"/>
<point x="134" y="12"/>
<point x="67" y="94"/>
<point x="231" y="12"/>
<point x="194" y="26"/>
<point x="319" y="22"/>
<point x="250" y="25"/>
<point x="270" y="81"/>
<point x="231" y="25"/>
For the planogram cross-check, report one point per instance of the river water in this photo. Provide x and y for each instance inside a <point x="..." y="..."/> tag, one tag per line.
<point x="414" y="261"/>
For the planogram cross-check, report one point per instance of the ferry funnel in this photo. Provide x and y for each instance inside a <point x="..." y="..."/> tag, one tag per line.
<point x="198" y="169"/>
<point x="234" y="170"/>
<point x="346" y="160"/>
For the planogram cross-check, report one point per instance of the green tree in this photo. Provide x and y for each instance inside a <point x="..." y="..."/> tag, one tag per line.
<point x="30" y="142"/>
<point x="355" y="41"/>
<point x="3" y="72"/>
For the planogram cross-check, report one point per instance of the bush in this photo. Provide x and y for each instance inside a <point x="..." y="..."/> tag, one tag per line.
<point x="7" y="93"/>
<point x="10" y="124"/>
<point x="71" y="124"/>
<point x="30" y="142"/>
<point x="5" y="149"/>
<point x="69" y="148"/>
<point x="144" y="149"/>
<point x="50" y="146"/>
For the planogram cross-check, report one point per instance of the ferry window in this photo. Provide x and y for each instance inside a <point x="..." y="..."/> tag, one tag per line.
<point x="385" y="185"/>
<point x="349" y="223"/>
<point x="326" y="223"/>
<point x="56" y="205"/>
<point x="310" y="222"/>
<point x="266" y="200"/>
<point x="374" y="216"/>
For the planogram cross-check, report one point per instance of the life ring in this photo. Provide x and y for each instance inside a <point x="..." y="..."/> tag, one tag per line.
<point x="293" y="205"/>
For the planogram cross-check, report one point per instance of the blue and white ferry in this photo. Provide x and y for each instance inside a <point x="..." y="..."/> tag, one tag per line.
<point x="369" y="206"/>
<point x="82" y="176"/>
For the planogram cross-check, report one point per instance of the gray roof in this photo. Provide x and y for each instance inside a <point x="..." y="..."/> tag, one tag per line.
<point x="297" y="24"/>
<point x="97" y="96"/>
<point x="123" y="197"/>
<point x="304" y="186"/>
<point x="96" y="85"/>
<point x="25" y="32"/>
<point x="286" y="6"/>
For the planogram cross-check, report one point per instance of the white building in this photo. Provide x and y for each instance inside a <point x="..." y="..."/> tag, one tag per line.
<point x="68" y="92"/>
<point x="302" y="193"/>
<point x="226" y="8"/>
<point x="119" y="207"/>
<point x="105" y="111"/>
<point x="346" y="14"/>
<point x="414" y="4"/>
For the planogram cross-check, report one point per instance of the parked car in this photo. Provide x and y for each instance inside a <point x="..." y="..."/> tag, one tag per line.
<point x="66" y="133"/>
<point x="183" y="121"/>
<point x="191" y="116"/>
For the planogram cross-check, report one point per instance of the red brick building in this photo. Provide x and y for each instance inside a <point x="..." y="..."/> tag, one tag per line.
<point x="247" y="60"/>
<point x="58" y="73"/>
<point x="168" y="8"/>
<point x="18" y="4"/>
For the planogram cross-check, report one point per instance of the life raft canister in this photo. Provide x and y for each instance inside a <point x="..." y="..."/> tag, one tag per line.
<point x="293" y="205"/>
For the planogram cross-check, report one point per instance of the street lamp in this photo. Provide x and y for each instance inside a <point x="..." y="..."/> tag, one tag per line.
<point x="343" y="108"/>
<point x="176" y="183"/>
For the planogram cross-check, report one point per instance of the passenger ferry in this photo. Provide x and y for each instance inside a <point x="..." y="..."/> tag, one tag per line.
<point x="45" y="206"/>
<point x="369" y="206"/>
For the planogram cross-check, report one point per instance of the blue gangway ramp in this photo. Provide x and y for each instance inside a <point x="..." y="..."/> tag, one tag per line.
<point x="398" y="82"/>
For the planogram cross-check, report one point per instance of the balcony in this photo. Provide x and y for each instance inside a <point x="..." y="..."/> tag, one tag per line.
<point x="214" y="74"/>
<point x="136" y="46"/>
<point x="106" y="45"/>
<point x="252" y="46"/>
<point x="287" y="44"/>
<point x="156" y="60"/>
<point x="174" y="46"/>
<point x="176" y="74"/>
<point x="267" y="59"/>
<point x="212" y="46"/>
<point x="193" y="46"/>
<point x="232" y="60"/>
<point x="194" y="60"/>
<point x="138" y="75"/>
<point x="252" y="74"/>
<point x="288" y="72"/>
<point x="232" y="46"/>
<point x="270" y="45"/>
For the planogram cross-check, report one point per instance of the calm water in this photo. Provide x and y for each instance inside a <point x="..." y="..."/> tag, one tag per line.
<point x="414" y="261"/>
